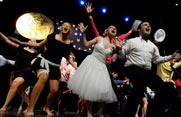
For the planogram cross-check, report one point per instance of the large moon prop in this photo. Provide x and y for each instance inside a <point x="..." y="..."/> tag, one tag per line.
<point x="34" y="26"/>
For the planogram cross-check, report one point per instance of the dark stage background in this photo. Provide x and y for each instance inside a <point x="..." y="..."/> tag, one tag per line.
<point x="164" y="14"/>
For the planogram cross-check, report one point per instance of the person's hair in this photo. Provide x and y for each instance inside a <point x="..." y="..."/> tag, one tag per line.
<point x="142" y="21"/>
<point x="68" y="53"/>
<point x="106" y="30"/>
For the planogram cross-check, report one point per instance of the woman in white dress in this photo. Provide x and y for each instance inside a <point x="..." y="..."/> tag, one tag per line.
<point x="91" y="81"/>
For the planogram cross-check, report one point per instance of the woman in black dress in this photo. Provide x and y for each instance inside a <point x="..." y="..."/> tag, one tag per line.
<point x="22" y="71"/>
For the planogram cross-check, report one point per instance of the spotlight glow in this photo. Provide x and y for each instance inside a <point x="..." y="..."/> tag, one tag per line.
<point x="104" y="10"/>
<point x="126" y="19"/>
<point x="82" y="2"/>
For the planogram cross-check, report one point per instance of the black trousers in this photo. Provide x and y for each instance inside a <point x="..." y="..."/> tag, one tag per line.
<point x="140" y="79"/>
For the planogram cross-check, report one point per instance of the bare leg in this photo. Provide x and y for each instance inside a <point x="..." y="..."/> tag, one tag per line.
<point x="89" y="109"/>
<point x="24" y="97"/>
<point x="83" y="104"/>
<point x="58" y="103"/>
<point x="144" y="108"/>
<point x="54" y="86"/>
<point x="100" y="109"/>
<point x="79" y="106"/>
<point x="37" y="89"/>
<point x="20" y="106"/>
<point x="12" y="92"/>
<point x="137" y="112"/>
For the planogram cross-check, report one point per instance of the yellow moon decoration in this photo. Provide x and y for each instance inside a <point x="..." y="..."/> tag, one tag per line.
<point x="34" y="25"/>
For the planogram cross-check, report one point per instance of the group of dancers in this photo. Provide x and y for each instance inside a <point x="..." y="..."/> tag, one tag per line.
<point x="91" y="79"/>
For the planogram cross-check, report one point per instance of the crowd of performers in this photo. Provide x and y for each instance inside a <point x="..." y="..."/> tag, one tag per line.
<point x="119" y="76"/>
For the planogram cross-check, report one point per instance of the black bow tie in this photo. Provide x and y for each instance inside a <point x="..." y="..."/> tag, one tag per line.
<point x="145" y="37"/>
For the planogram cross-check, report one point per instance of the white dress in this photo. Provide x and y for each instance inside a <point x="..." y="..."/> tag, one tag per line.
<point x="91" y="81"/>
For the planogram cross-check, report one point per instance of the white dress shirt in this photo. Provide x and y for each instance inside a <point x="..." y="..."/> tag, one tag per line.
<point x="142" y="53"/>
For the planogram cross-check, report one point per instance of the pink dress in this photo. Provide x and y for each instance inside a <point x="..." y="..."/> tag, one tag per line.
<point x="67" y="70"/>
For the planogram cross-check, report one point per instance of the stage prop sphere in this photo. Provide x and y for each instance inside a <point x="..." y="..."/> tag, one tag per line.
<point x="34" y="26"/>
<point x="159" y="35"/>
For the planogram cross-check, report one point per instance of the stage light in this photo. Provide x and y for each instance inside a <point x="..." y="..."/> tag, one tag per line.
<point x="59" y="27"/>
<point x="126" y="19"/>
<point x="82" y="2"/>
<point x="104" y="10"/>
<point x="176" y="4"/>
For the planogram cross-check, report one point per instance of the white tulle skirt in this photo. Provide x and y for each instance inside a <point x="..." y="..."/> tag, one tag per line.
<point x="91" y="81"/>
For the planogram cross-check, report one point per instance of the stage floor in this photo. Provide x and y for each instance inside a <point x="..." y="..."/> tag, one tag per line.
<point x="37" y="114"/>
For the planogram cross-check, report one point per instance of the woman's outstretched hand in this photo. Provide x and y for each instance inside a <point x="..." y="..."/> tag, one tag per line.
<point x="81" y="27"/>
<point x="89" y="8"/>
